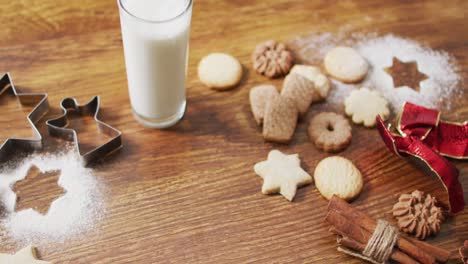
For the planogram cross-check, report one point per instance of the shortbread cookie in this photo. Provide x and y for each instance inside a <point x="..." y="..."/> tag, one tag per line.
<point x="364" y="105"/>
<point x="329" y="131"/>
<point x="338" y="176"/>
<point x="321" y="83"/>
<point x="259" y="96"/>
<point x="300" y="90"/>
<point x="282" y="173"/>
<point x="280" y="120"/>
<point x="272" y="59"/>
<point x="220" y="71"/>
<point x="346" y="64"/>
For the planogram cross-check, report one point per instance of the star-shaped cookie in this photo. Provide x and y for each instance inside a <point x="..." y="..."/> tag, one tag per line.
<point x="26" y="255"/>
<point x="282" y="173"/>
<point x="405" y="74"/>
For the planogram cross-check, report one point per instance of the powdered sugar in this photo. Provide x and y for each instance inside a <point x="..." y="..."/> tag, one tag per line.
<point x="71" y="214"/>
<point x="439" y="66"/>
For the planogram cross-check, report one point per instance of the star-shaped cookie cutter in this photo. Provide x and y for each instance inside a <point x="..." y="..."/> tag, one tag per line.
<point x="58" y="128"/>
<point x="41" y="106"/>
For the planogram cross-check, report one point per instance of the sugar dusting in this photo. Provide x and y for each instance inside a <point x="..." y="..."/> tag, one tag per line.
<point x="68" y="216"/>
<point x="435" y="92"/>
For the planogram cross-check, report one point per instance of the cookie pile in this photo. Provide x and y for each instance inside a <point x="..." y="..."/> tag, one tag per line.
<point x="279" y="112"/>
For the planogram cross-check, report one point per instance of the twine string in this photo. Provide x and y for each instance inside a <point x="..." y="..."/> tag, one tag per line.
<point x="380" y="245"/>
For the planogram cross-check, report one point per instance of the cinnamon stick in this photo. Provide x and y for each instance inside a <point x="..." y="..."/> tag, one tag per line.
<point x="421" y="251"/>
<point x="347" y="228"/>
<point x="396" y="255"/>
<point x="348" y="242"/>
<point x="440" y="254"/>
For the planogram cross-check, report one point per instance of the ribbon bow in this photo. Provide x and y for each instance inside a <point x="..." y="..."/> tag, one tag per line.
<point x="424" y="136"/>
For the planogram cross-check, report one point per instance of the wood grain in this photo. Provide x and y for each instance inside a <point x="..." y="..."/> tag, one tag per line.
<point x="188" y="194"/>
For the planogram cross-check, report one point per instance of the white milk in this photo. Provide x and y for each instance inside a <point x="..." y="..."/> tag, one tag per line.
<point x="155" y="36"/>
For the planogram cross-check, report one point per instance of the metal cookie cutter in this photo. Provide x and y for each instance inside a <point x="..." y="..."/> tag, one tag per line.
<point x="41" y="106"/>
<point x="58" y="127"/>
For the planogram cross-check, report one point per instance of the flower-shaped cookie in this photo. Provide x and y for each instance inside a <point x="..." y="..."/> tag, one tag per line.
<point x="272" y="59"/>
<point x="364" y="105"/>
<point x="418" y="214"/>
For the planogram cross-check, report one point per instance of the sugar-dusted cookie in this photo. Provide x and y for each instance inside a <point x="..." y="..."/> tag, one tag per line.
<point x="364" y="105"/>
<point x="346" y="64"/>
<point x="280" y="120"/>
<point x="321" y="83"/>
<point x="282" y="173"/>
<point x="219" y="71"/>
<point x="259" y="96"/>
<point x="272" y="59"/>
<point x="329" y="131"/>
<point x="300" y="90"/>
<point x="339" y="176"/>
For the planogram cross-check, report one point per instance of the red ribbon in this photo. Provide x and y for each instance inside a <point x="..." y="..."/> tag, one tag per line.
<point x="424" y="136"/>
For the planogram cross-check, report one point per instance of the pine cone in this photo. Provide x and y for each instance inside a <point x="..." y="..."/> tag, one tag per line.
<point x="272" y="59"/>
<point x="418" y="214"/>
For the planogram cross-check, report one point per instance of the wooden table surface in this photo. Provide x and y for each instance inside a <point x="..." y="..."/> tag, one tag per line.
<point x="189" y="194"/>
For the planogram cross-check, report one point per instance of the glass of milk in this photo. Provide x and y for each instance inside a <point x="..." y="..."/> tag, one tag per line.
<point x="155" y="36"/>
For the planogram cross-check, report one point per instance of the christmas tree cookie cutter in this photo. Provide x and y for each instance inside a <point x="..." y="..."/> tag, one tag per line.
<point x="41" y="106"/>
<point x="58" y="127"/>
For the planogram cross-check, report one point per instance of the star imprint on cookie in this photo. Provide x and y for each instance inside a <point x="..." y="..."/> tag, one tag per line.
<point x="405" y="74"/>
<point x="26" y="255"/>
<point x="282" y="173"/>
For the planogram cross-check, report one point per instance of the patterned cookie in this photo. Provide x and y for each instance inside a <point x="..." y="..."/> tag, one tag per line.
<point x="321" y="83"/>
<point x="282" y="173"/>
<point x="364" y="105"/>
<point x="329" y="131"/>
<point x="280" y="120"/>
<point x="259" y="96"/>
<point x="300" y="90"/>
<point x="272" y="59"/>
<point x="346" y="64"/>
<point x="220" y="71"/>
<point x="338" y="176"/>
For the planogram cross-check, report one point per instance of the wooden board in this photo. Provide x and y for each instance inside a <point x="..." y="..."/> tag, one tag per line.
<point x="188" y="194"/>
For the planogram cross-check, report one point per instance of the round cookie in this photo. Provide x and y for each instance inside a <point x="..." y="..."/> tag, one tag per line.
<point x="272" y="59"/>
<point x="346" y="64"/>
<point x="330" y="132"/>
<point x="338" y="176"/>
<point x="219" y="71"/>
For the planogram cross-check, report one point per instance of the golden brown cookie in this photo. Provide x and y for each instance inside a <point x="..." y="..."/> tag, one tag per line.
<point x="419" y="214"/>
<point x="300" y="90"/>
<point x="259" y="96"/>
<point x="272" y="59"/>
<point x="280" y="120"/>
<point x="329" y="131"/>
<point x="338" y="176"/>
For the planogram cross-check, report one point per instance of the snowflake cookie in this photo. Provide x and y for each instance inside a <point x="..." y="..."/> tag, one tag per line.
<point x="364" y="105"/>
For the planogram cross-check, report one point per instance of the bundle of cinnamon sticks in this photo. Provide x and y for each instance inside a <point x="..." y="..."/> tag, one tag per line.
<point x="355" y="228"/>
